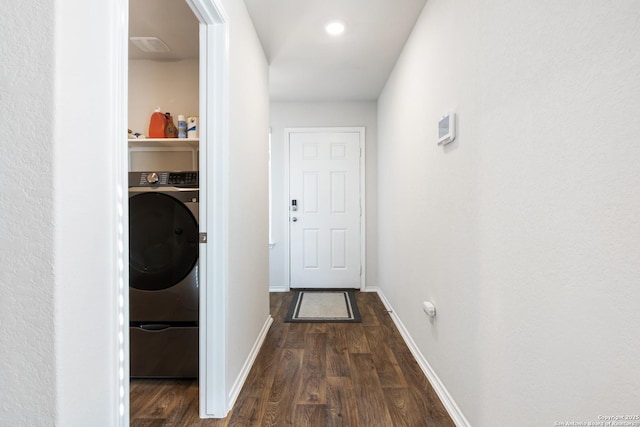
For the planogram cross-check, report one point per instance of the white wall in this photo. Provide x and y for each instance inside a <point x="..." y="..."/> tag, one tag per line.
<point x="248" y="189"/>
<point x="524" y="231"/>
<point x="171" y="85"/>
<point x="58" y="341"/>
<point x="27" y="274"/>
<point x="319" y="114"/>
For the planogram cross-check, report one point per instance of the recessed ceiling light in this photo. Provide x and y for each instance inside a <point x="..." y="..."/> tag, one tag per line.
<point x="335" y="28"/>
<point x="150" y="44"/>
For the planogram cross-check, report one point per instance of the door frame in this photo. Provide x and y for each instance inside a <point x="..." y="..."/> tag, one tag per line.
<point x="363" y="235"/>
<point x="214" y="141"/>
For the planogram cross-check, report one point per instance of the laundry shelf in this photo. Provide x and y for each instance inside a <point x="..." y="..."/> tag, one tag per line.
<point x="164" y="154"/>
<point x="164" y="142"/>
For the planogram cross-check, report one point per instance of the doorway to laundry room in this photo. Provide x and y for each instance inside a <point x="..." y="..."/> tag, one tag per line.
<point x="176" y="288"/>
<point x="163" y="165"/>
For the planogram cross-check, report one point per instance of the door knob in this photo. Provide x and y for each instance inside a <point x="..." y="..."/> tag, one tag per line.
<point x="294" y="219"/>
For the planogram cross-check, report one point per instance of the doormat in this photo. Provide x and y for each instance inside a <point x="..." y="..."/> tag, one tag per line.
<point x="335" y="305"/>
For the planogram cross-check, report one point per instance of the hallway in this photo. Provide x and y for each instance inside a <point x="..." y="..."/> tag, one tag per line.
<point x="306" y="374"/>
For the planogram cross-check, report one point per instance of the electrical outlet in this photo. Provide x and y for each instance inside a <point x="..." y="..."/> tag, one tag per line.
<point x="429" y="308"/>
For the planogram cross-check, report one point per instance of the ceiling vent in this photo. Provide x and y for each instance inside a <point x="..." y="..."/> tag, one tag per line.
<point x="150" y="44"/>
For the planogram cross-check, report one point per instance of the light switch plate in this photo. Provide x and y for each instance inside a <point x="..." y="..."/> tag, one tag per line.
<point x="447" y="128"/>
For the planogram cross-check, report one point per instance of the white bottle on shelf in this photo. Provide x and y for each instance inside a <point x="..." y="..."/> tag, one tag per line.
<point x="192" y="127"/>
<point x="182" y="127"/>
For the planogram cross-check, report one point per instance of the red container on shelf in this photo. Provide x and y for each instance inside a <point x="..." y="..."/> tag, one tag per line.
<point x="158" y="124"/>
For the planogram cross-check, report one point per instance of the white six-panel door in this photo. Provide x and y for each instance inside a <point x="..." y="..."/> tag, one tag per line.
<point x="325" y="219"/>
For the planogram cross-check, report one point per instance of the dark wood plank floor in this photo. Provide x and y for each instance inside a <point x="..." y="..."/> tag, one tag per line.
<point x="312" y="375"/>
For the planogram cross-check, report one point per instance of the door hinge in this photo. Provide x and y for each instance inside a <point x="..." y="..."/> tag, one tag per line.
<point x="203" y="237"/>
<point x="361" y="270"/>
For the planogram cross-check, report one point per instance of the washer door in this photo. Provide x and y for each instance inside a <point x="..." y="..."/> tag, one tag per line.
<point x="163" y="241"/>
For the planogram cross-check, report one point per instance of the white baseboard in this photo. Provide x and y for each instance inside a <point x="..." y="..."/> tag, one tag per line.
<point x="450" y="405"/>
<point x="279" y="288"/>
<point x="244" y="372"/>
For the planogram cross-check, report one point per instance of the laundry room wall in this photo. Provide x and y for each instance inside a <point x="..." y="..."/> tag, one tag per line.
<point x="319" y="114"/>
<point x="524" y="231"/>
<point x="171" y="85"/>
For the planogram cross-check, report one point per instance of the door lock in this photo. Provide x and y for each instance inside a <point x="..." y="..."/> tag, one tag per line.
<point x="294" y="205"/>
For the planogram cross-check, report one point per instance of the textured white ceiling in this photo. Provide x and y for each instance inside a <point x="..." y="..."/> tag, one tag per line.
<point x="171" y="21"/>
<point x="306" y="64"/>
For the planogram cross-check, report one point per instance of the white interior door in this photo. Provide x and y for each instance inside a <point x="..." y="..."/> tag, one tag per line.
<point x="324" y="209"/>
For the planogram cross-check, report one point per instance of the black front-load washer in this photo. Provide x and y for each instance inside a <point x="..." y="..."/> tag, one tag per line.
<point x="163" y="274"/>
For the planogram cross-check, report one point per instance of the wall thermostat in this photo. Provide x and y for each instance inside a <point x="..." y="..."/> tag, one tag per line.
<point x="447" y="128"/>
